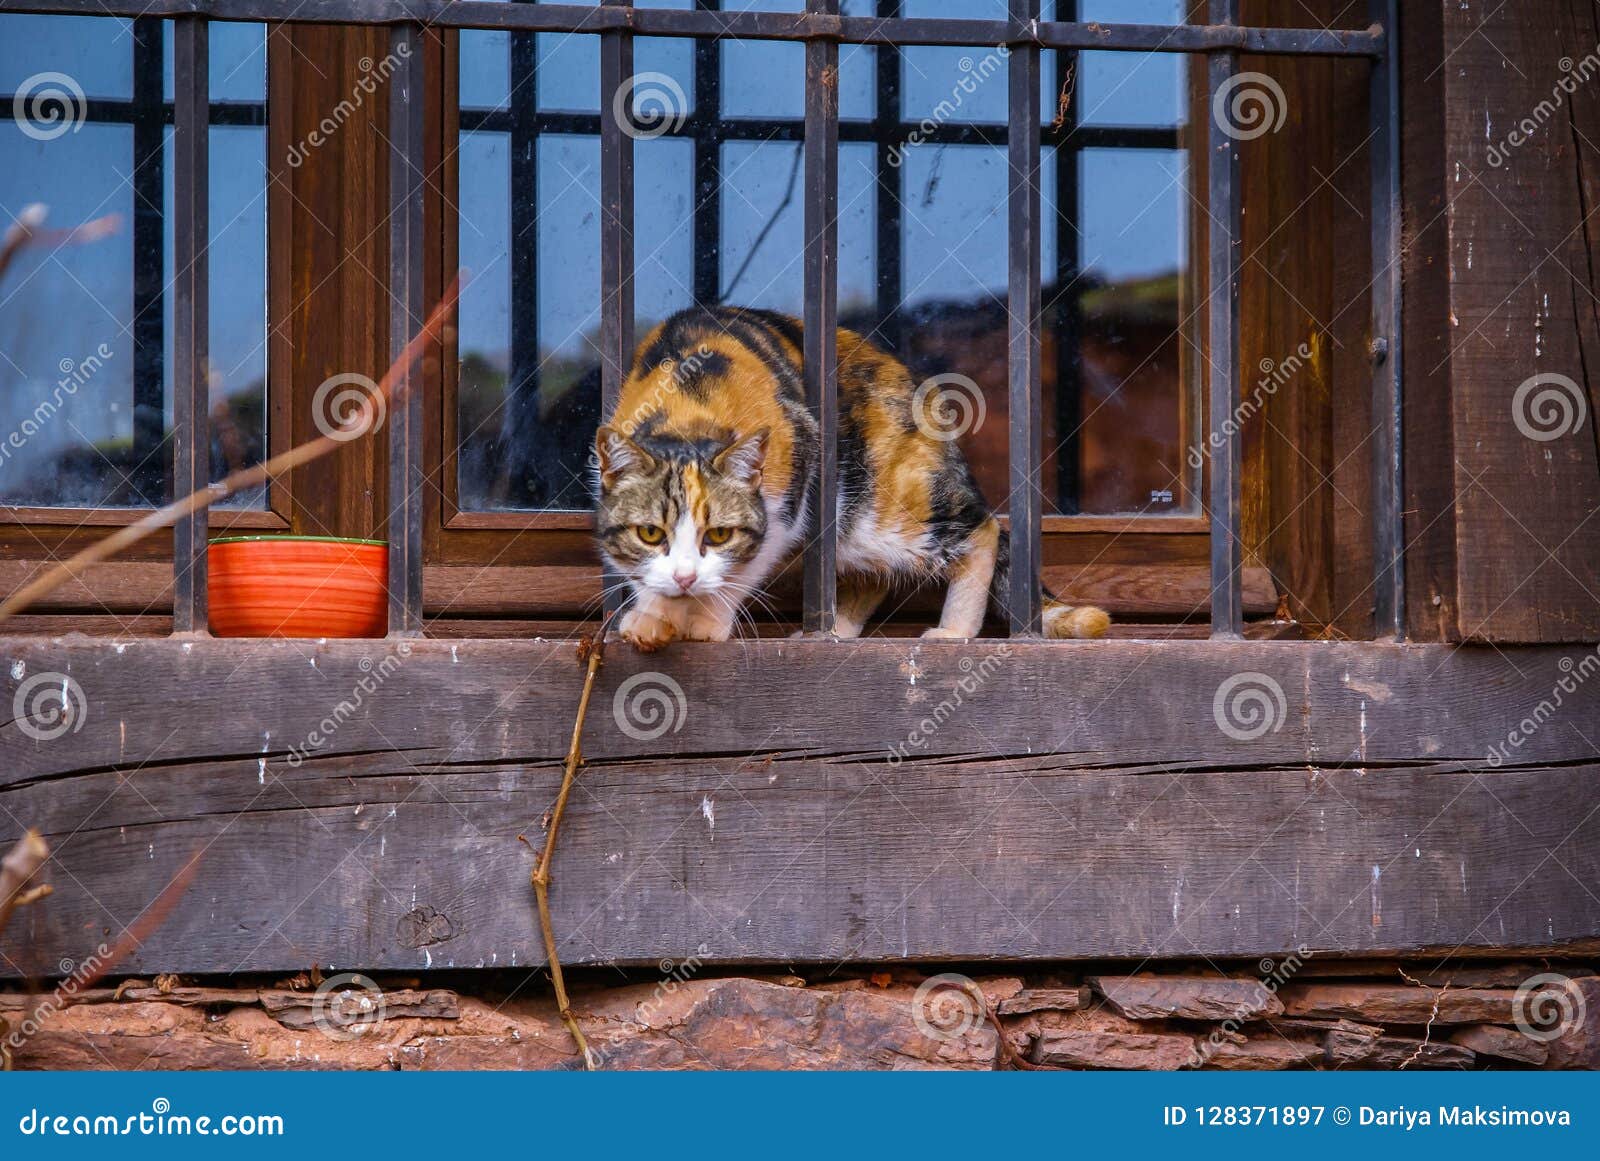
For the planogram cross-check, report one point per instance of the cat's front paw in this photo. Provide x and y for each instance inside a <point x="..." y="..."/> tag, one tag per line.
<point x="940" y="633"/>
<point x="645" y="631"/>
<point x="704" y="625"/>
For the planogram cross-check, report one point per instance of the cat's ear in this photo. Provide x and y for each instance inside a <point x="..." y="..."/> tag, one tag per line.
<point x="742" y="460"/>
<point x="617" y="455"/>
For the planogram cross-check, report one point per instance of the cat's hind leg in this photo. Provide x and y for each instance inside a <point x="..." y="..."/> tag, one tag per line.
<point x="969" y="573"/>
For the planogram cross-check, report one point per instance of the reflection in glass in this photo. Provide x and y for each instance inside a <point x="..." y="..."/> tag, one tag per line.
<point x="86" y="314"/>
<point x="922" y="247"/>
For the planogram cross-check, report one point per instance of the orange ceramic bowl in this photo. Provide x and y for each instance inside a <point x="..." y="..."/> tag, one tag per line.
<point x="298" y="586"/>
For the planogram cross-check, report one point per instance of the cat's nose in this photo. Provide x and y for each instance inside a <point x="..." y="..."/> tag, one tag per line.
<point x="686" y="578"/>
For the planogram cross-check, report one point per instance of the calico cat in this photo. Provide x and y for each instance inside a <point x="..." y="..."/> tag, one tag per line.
<point x="705" y="472"/>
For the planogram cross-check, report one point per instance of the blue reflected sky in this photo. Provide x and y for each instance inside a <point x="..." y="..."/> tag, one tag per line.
<point x="59" y="303"/>
<point x="1133" y="204"/>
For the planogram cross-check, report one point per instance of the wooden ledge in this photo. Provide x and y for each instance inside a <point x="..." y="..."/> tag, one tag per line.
<point x="357" y="804"/>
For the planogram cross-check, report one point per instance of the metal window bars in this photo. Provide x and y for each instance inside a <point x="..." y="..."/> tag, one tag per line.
<point x="822" y="29"/>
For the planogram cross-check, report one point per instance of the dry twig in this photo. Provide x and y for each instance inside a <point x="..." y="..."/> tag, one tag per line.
<point x="1010" y="1054"/>
<point x="28" y="230"/>
<point x="593" y="650"/>
<point x="17" y="870"/>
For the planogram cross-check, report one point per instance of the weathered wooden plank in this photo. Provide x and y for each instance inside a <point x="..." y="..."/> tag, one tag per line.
<point x="1084" y="703"/>
<point x="1521" y="177"/>
<point x="1079" y="801"/>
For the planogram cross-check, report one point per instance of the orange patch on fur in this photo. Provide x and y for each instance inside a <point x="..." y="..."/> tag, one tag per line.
<point x="694" y="494"/>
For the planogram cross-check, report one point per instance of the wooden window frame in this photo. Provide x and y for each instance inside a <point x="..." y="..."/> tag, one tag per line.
<point x="1146" y="565"/>
<point x="417" y="252"/>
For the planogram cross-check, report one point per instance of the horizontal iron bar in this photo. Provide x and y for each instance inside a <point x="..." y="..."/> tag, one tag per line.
<point x="108" y="111"/>
<point x="488" y="14"/>
<point x="746" y="130"/>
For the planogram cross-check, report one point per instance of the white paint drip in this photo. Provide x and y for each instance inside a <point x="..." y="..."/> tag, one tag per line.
<point x="709" y="810"/>
<point x="18" y="668"/>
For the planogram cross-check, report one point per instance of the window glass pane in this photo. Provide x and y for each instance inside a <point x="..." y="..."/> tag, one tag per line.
<point x="86" y="315"/>
<point x="762" y="216"/>
<point x="665" y="68"/>
<point x="1131" y="88"/>
<point x="567" y="72"/>
<point x="1133" y="303"/>
<point x="484" y="350"/>
<point x="66" y="342"/>
<point x="238" y="330"/>
<point x="664" y="230"/>
<point x="949" y="85"/>
<point x="763" y="78"/>
<point x="858" y="206"/>
<point x="93" y="52"/>
<point x="720" y="220"/>
<point x="485" y="69"/>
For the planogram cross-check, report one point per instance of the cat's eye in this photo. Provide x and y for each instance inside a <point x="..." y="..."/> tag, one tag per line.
<point x="650" y="533"/>
<point x="718" y="536"/>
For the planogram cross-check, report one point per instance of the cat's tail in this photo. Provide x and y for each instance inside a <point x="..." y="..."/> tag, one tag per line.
<point x="1060" y="618"/>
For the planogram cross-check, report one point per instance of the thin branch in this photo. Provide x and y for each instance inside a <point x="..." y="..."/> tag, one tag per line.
<point x="594" y="650"/>
<point x="17" y="869"/>
<point x="28" y="230"/>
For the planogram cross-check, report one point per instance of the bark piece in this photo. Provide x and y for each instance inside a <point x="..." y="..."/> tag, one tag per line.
<point x="1388" y="1004"/>
<point x="1394" y="1052"/>
<point x="303" y="1009"/>
<point x="1120" y="1050"/>
<point x="1501" y="1043"/>
<point x="1579" y="1045"/>
<point x="1265" y="1054"/>
<point x="1186" y="997"/>
<point x="1045" y="1000"/>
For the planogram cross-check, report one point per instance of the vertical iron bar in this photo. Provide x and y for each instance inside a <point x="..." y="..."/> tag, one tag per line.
<point x="148" y="475"/>
<point x="821" y="317"/>
<point x="191" y="434"/>
<point x="522" y="385"/>
<point x="1225" y="219"/>
<point x="707" y="146"/>
<point x="1068" y="297"/>
<point x="1387" y="521"/>
<point x="889" y="136"/>
<point x="616" y="234"/>
<point x="407" y="309"/>
<point x="1023" y="144"/>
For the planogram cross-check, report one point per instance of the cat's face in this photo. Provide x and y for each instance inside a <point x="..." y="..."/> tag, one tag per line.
<point x="679" y="519"/>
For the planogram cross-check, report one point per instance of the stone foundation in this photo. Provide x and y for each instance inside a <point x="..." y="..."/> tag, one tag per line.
<point x="1286" y="1015"/>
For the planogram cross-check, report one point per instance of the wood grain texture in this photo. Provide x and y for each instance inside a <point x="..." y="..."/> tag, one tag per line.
<point x="1523" y="281"/>
<point x="1071" y="801"/>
